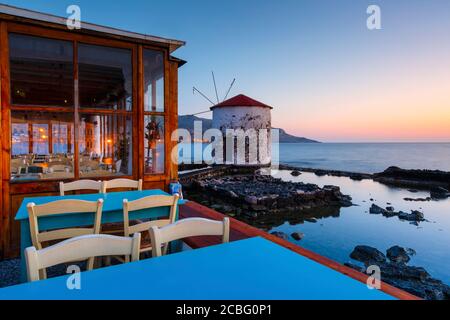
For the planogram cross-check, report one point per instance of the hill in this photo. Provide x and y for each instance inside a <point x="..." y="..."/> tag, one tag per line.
<point x="187" y="122"/>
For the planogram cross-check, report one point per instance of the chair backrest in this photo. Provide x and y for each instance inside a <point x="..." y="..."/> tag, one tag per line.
<point x="80" y="185"/>
<point x="185" y="228"/>
<point x="80" y="248"/>
<point x="148" y="203"/>
<point x="122" y="183"/>
<point x="63" y="207"/>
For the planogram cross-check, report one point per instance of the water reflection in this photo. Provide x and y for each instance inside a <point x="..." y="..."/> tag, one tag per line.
<point x="336" y="234"/>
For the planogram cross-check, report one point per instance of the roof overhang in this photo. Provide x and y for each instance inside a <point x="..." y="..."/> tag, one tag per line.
<point x="61" y="21"/>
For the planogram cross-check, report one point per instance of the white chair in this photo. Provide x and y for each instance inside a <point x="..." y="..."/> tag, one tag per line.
<point x="185" y="228"/>
<point x="148" y="203"/>
<point x="122" y="183"/>
<point x="58" y="208"/>
<point x="80" y="185"/>
<point x="80" y="248"/>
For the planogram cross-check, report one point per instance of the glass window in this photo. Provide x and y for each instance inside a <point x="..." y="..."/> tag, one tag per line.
<point x="153" y="144"/>
<point x="105" y="145"/>
<point x="153" y="80"/>
<point x="42" y="145"/>
<point x="105" y="77"/>
<point x="41" y="71"/>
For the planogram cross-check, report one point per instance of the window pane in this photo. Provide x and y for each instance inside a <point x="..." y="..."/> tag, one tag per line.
<point x="154" y="144"/>
<point x="105" y="77"/>
<point x="153" y="80"/>
<point x="41" y="71"/>
<point x="42" y="146"/>
<point x="105" y="145"/>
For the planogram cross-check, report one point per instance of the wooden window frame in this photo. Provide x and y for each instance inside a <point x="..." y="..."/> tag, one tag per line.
<point x="165" y="114"/>
<point x="75" y="39"/>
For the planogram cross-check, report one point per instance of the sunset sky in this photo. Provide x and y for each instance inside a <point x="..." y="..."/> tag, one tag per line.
<point x="327" y="76"/>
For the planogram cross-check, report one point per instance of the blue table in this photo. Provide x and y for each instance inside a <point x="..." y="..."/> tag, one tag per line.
<point x="248" y="269"/>
<point x="112" y="212"/>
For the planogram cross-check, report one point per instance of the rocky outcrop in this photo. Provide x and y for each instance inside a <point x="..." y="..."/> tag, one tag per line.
<point x="280" y="235"/>
<point x="414" y="216"/>
<point x="438" y="182"/>
<point x="257" y="195"/>
<point x="297" y="236"/>
<point x="396" y="272"/>
<point x="369" y="254"/>
<point x="324" y="172"/>
<point x="295" y="173"/>
<point x="398" y="254"/>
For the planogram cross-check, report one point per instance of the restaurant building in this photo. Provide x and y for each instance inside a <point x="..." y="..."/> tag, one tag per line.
<point x="91" y="103"/>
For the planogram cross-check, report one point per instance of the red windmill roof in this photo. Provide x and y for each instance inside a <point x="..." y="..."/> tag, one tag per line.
<point x="241" y="101"/>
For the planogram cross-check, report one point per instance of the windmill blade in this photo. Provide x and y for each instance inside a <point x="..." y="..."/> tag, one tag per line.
<point x="228" y="92"/>
<point x="204" y="96"/>
<point x="215" y="87"/>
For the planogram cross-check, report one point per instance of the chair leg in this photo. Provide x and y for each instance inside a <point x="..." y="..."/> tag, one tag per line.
<point x="108" y="261"/>
<point x="90" y="263"/>
<point x="42" y="274"/>
<point x="164" y="249"/>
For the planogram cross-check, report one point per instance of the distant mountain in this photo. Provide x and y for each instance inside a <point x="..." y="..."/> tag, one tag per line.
<point x="187" y="122"/>
<point x="288" y="138"/>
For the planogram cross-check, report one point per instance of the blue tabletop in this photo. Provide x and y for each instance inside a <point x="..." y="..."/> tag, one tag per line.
<point x="248" y="269"/>
<point x="113" y="200"/>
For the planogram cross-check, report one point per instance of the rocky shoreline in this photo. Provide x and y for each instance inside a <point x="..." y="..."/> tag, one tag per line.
<point x="396" y="272"/>
<point x="264" y="201"/>
<point x="435" y="181"/>
<point x="254" y="195"/>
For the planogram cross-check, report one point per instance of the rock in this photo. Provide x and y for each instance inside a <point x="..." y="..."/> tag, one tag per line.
<point x="415" y="280"/>
<point x="280" y="234"/>
<point x="418" y="199"/>
<point x="413" y="216"/>
<point x="312" y="220"/>
<point x="411" y="252"/>
<point x="251" y="200"/>
<point x="295" y="173"/>
<point x="297" y="236"/>
<point x="439" y="193"/>
<point x="232" y="194"/>
<point x="413" y="190"/>
<point x="389" y="214"/>
<point x="367" y="255"/>
<point x="258" y="208"/>
<point x="374" y="209"/>
<point x="390" y="209"/>
<point x="398" y="255"/>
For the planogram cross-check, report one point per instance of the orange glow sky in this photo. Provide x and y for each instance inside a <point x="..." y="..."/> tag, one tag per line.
<point x="327" y="76"/>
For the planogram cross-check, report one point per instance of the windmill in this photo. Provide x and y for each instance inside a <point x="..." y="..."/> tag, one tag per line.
<point x="194" y="90"/>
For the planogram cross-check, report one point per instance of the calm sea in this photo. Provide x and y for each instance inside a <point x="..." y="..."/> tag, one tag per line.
<point x="366" y="157"/>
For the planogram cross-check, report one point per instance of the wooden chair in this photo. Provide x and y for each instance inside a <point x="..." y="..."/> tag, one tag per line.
<point x="122" y="183"/>
<point x="80" y="248"/>
<point x="80" y="185"/>
<point x="185" y="228"/>
<point x="148" y="203"/>
<point x="63" y="207"/>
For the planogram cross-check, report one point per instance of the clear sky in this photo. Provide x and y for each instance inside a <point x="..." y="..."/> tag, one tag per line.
<point x="327" y="76"/>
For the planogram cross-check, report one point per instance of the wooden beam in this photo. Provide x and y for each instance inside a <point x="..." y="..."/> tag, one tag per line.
<point x="5" y="143"/>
